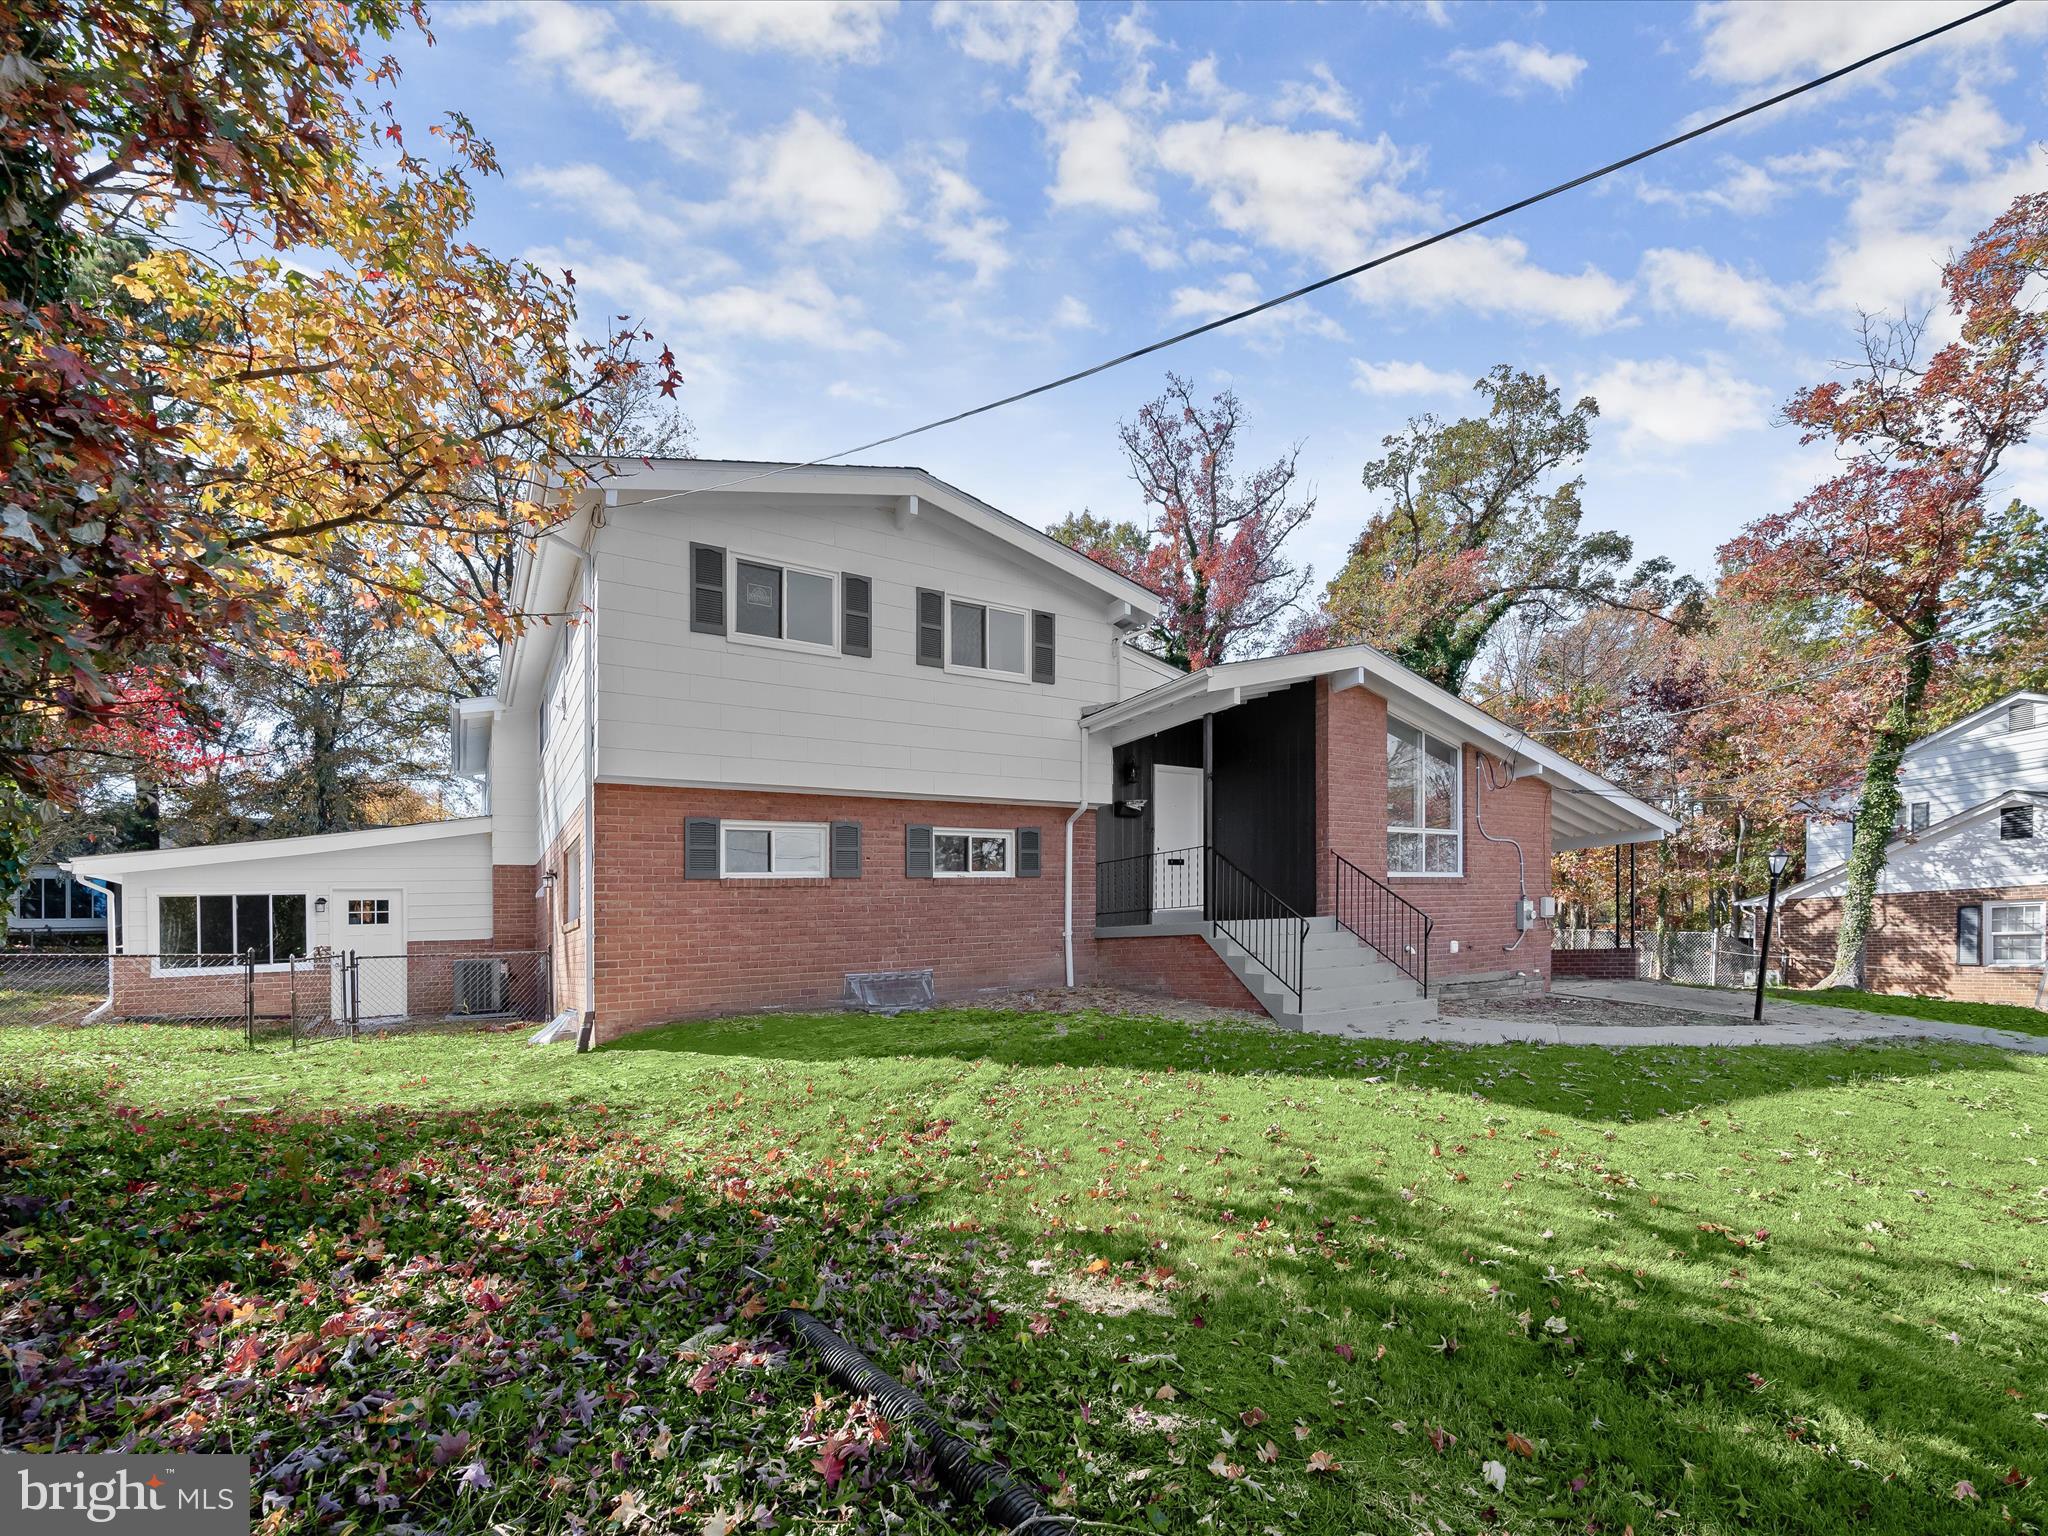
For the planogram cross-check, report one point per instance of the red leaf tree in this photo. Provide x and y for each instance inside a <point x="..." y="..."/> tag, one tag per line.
<point x="1900" y="543"/>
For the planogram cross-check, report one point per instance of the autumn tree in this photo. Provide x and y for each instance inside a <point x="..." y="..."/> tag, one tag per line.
<point x="245" y="335"/>
<point x="1901" y="542"/>
<point x="1212" y="543"/>
<point x="1481" y="524"/>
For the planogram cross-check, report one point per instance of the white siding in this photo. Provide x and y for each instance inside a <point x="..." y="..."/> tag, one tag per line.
<point x="1140" y="673"/>
<point x="678" y="707"/>
<point x="559" y="735"/>
<point x="1972" y="857"/>
<point x="514" y="787"/>
<point x="446" y="882"/>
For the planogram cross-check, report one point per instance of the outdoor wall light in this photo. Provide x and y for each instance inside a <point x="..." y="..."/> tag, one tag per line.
<point x="547" y="883"/>
<point x="319" y="903"/>
<point x="1778" y="859"/>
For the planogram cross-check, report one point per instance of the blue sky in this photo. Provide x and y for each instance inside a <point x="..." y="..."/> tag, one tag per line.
<point x="850" y="217"/>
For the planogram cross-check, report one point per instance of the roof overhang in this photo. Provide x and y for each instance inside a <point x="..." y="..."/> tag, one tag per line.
<point x="1586" y="811"/>
<point x="113" y="866"/>
<point x="469" y="736"/>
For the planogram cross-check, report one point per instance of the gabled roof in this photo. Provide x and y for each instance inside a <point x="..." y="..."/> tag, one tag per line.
<point x="1990" y="711"/>
<point x="1586" y="811"/>
<point x="111" y="866"/>
<point x="1935" y="832"/>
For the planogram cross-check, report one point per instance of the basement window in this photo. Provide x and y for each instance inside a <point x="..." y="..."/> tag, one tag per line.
<point x="1423" y="804"/>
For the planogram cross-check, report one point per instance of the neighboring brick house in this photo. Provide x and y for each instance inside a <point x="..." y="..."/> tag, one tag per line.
<point x="788" y="725"/>
<point x="1964" y="892"/>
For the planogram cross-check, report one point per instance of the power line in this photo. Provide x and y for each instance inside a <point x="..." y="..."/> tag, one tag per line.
<point x="1362" y="267"/>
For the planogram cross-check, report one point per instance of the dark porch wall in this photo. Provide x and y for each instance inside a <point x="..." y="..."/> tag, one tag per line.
<point x="1477" y="908"/>
<point x="1122" y="837"/>
<point x="1264" y="803"/>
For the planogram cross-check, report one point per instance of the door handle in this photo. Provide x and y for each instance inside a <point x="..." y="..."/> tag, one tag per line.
<point x="1176" y="862"/>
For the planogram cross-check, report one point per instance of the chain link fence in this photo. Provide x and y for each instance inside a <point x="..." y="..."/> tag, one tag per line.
<point x="327" y="996"/>
<point x="1717" y="959"/>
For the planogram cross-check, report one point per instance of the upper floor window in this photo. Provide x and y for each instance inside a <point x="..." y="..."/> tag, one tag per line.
<point x="986" y="638"/>
<point x="1423" y="802"/>
<point x="783" y="602"/>
<point x="1916" y="816"/>
<point x="771" y="850"/>
<point x="2016" y="823"/>
<point x="964" y="854"/>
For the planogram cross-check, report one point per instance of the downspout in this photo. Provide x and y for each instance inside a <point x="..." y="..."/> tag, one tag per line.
<point x="95" y="885"/>
<point x="1080" y="805"/>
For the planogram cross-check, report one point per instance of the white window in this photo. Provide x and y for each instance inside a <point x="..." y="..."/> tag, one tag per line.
<point x="572" y="882"/>
<point x="965" y="853"/>
<point x="197" y="932"/>
<point x="1918" y="814"/>
<point x="369" y="912"/>
<point x="771" y="850"/>
<point x="1423" y="804"/>
<point x="781" y="602"/>
<point x="985" y="638"/>
<point x="2016" y="932"/>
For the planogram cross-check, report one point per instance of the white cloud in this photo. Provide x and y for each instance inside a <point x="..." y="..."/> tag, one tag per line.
<point x="1405" y="379"/>
<point x="1746" y="188"/>
<point x="1513" y="68"/>
<point x="844" y="29"/>
<point x="855" y="394"/>
<point x="1493" y="275"/>
<point x="1692" y="282"/>
<point x="646" y="95"/>
<point x="1206" y="86"/>
<point x="1098" y="154"/>
<point x="1752" y="43"/>
<point x="959" y="224"/>
<point x="1240" y="290"/>
<point x="1070" y="314"/>
<point x="1030" y="33"/>
<point x="1321" y="96"/>
<point x="818" y="183"/>
<point x="797" y="306"/>
<point x="1662" y="404"/>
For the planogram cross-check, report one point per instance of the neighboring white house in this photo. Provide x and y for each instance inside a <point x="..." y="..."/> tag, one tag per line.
<point x="775" y="727"/>
<point x="1963" y="897"/>
<point x="50" y="904"/>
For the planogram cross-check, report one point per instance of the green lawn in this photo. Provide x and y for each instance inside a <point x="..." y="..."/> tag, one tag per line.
<point x="1198" y="1279"/>
<point x="2024" y="1021"/>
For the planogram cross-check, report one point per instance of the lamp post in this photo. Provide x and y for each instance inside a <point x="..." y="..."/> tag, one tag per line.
<point x="1778" y="859"/>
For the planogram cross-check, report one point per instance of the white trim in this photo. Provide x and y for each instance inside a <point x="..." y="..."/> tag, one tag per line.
<point x="1457" y="826"/>
<point x="155" y="935"/>
<point x="1978" y="717"/>
<point x="773" y="828"/>
<point x="104" y="865"/>
<point x="1946" y="827"/>
<point x="997" y="674"/>
<point x="1988" y="937"/>
<point x="1007" y="872"/>
<point x="782" y="642"/>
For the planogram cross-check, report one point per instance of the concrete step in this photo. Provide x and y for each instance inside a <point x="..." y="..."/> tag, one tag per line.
<point x="1317" y="999"/>
<point x="1368" y="1023"/>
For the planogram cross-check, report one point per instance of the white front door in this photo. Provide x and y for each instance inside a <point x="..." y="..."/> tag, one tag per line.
<point x="1176" y="839"/>
<point x="367" y="931"/>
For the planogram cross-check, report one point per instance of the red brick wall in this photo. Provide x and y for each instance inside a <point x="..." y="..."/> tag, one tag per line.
<point x="1477" y="909"/>
<point x="515" y="912"/>
<point x="1592" y="964"/>
<point x="564" y="941"/>
<point x="674" y="948"/>
<point x="1173" y="965"/>
<point x="1911" y="949"/>
<point x="217" y="994"/>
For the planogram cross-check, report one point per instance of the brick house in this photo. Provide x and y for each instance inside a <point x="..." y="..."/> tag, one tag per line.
<point x="1963" y="895"/>
<point x="788" y="727"/>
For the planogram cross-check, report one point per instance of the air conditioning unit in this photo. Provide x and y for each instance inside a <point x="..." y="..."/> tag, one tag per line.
<point x="482" y="986"/>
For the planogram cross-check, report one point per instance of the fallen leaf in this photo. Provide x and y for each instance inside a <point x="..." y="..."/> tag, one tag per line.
<point x="1520" y="1446"/>
<point x="1252" y="1418"/>
<point x="1323" y="1461"/>
<point x="1269" y="1453"/>
<point x="1496" y="1476"/>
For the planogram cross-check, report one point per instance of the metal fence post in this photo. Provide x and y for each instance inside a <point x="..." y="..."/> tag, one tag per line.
<point x="355" y="993"/>
<point x="249" y="993"/>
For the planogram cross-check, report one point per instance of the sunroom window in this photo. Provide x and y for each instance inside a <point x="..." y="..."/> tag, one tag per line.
<point x="769" y="850"/>
<point x="1423" y="836"/>
<point x="779" y="602"/>
<point x="966" y="854"/>
<point x="197" y="931"/>
<point x="2017" y="932"/>
<point x="988" y="639"/>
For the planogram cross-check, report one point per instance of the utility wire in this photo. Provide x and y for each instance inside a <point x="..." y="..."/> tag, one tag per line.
<point x="1363" y="267"/>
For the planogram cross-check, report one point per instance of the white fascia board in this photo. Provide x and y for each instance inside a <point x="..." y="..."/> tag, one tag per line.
<point x="883" y="484"/>
<point x="1971" y="721"/>
<point x="114" y="865"/>
<point x="549" y="585"/>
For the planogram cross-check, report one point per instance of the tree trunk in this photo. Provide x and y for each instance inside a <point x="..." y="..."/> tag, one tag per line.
<point x="1877" y="817"/>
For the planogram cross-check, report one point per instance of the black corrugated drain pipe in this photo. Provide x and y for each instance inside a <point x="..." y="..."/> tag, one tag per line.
<point x="978" y="1483"/>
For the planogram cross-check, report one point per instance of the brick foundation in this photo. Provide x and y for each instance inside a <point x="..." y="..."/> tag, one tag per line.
<point x="1476" y="910"/>
<point x="672" y="948"/>
<point x="1911" y="948"/>
<point x="1593" y="964"/>
<point x="515" y="912"/>
<point x="215" y="994"/>
<point x="1173" y="965"/>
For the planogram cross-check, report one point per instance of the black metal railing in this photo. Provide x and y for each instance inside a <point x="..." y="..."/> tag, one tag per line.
<point x="1396" y="928"/>
<point x="1129" y="890"/>
<point x="1260" y="923"/>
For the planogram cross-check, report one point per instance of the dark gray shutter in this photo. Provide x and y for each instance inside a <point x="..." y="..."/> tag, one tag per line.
<point x="931" y="628"/>
<point x="845" y="850"/>
<point x="1027" y="853"/>
<point x="1969" y="935"/>
<point x="700" y="848"/>
<point x="1041" y="647"/>
<point x="917" y="853"/>
<point x="856" y="619"/>
<point x="707" y="589"/>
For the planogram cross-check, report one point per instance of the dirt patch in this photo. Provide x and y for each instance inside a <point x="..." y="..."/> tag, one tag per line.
<point x="1560" y="1008"/>
<point x="1116" y="1001"/>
